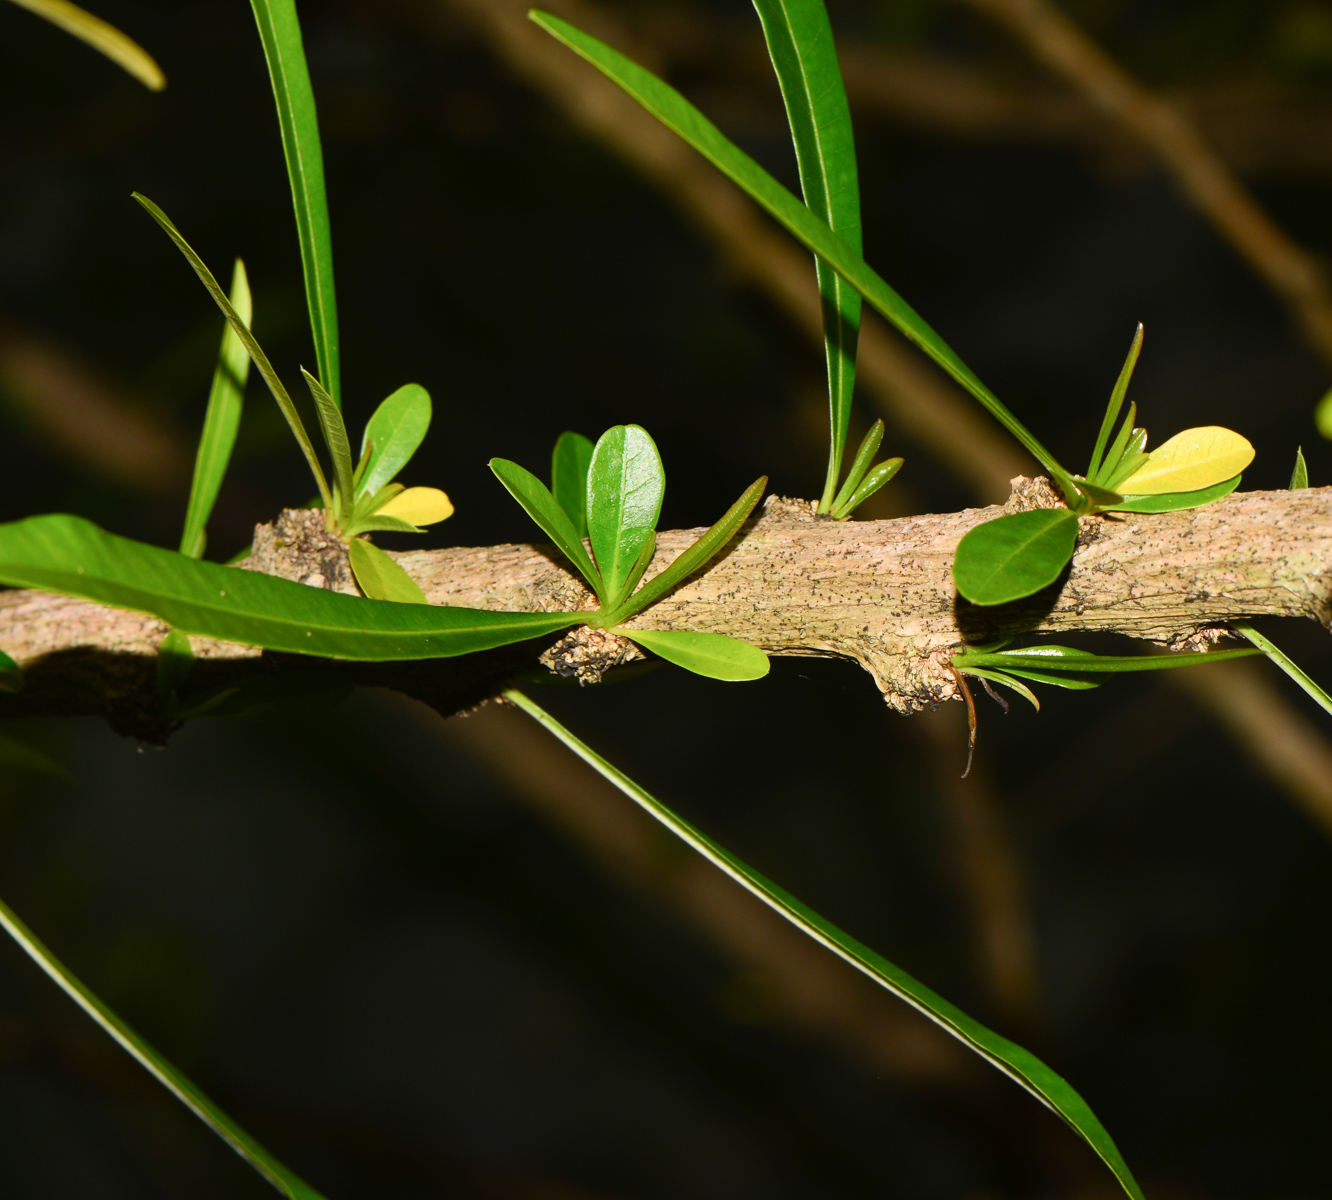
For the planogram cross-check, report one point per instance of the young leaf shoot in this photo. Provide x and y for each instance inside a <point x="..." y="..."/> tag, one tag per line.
<point x="569" y="464"/>
<point x="392" y="435"/>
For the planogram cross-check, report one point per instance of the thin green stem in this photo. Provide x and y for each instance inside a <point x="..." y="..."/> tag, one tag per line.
<point x="1285" y="663"/>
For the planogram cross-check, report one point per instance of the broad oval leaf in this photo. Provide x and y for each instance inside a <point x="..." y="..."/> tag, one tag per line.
<point x="569" y="464"/>
<point x="625" y="485"/>
<point x="1176" y="501"/>
<point x="73" y="557"/>
<point x="418" y="506"/>
<point x="1189" y="461"/>
<point x="392" y="435"/>
<point x="380" y="577"/>
<point x="711" y="654"/>
<point x="1014" y="556"/>
<point x="541" y="506"/>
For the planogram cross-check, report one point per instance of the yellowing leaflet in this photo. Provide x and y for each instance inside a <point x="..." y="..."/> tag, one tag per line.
<point x="1193" y="459"/>
<point x="419" y="506"/>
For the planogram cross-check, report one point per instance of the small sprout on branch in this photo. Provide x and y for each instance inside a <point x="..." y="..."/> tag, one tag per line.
<point x="1299" y="477"/>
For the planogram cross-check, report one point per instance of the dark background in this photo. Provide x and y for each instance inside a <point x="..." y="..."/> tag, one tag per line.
<point x="355" y="936"/>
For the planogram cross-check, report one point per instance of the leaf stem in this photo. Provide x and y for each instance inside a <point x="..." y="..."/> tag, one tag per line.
<point x="1288" y="665"/>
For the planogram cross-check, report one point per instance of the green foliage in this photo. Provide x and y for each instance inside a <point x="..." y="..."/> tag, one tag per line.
<point x="1299" y="477"/>
<point x="73" y="557"/>
<point x="1014" y="555"/>
<point x="221" y="421"/>
<point x="392" y="435"/>
<point x="380" y="577"/>
<point x="1175" y="501"/>
<point x="280" y="32"/>
<point x="1282" y="660"/>
<point x="569" y="464"/>
<point x="338" y="445"/>
<point x="800" y="43"/>
<point x="1017" y="1063"/>
<point x="710" y="654"/>
<point x="11" y="675"/>
<point x="553" y="521"/>
<point x="175" y="661"/>
<point x="625" y="486"/>
<point x="157" y="1065"/>
<point x="121" y="50"/>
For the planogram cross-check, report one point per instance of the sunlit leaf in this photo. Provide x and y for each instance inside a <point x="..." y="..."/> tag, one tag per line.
<point x="380" y="577"/>
<point x="625" y="485"/>
<point x="541" y="506"/>
<point x="1018" y="1064"/>
<point x="860" y="465"/>
<point x="800" y="43"/>
<point x="878" y="476"/>
<point x="392" y="435"/>
<point x="1117" y="394"/>
<point x="569" y="464"/>
<point x="334" y="430"/>
<point x="418" y="506"/>
<point x="121" y="50"/>
<point x="280" y="32"/>
<point x="1130" y="461"/>
<point x="221" y="421"/>
<point x="1007" y="681"/>
<point x="1189" y="461"/>
<point x="1048" y="658"/>
<point x="73" y="557"/>
<point x="1115" y="454"/>
<point x="696" y="555"/>
<point x="712" y="654"/>
<point x="1299" y="477"/>
<point x="1176" y="501"/>
<point x="1015" y="555"/>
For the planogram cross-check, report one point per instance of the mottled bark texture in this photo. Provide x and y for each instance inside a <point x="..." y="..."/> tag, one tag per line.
<point x="877" y="592"/>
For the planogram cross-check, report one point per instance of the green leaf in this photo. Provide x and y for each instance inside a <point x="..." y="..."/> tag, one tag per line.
<point x="1287" y="664"/>
<point x="380" y="577"/>
<point x="73" y="557"/>
<point x="1299" y="477"/>
<point x="1176" y="501"/>
<point x="280" y="32"/>
<point x="392" y="436"/>
<point x="625" y="485"/>
<point x="1117" y="394"/>
<point x="221" y="421"/>
<point x="641" y="566"/>
<point x="1073" y="683"/>
<point x="334" y="430"/>
<point x="1014" y="556"/>
<point x="1008" y="681"/>
<point x="800" y="43"/>
<point x="1100" y="497"/>
<point x="175" y="661"/>
<point x="11" y="675"/>
<point x="1323" y="414"/>
<point x="1115" y="455"/>
<point x="256" y="353"/>
<point x="683" y="119"/>
<point x="569" y="464"/>
<point x="1047" y="658"/>
<point x="121" y="50"/>
<point x="541" y="506"/>
<point x="1015" y="1062"/>
<point x="378" y="523"/>
<point x="287" y="1182"/>
<point x="1129" y="462"/>
<point x="712" y="654"/>
<point x="869" y="447"/>
<point x="880" y="475"/>
<point x="696" y="555"/>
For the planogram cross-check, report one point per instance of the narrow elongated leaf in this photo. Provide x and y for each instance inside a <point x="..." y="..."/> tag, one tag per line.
<point x="19" y="756"/>
<point x="696" y="555"/>
<point x="1099" y="496"/>
<point x="221" y="421"/>
<point x="1176" y="501"/>
<point x="73" y="557"/>
<point x="377" y="523"/>
<point x="1130" y="461"/>
<point x="280" y="32"/>
<point x="879" y="476"/>
<point x="1074" y="683"/>
<point x="1299" y="477"/>
<point x="712" y="654"/>
<point x="120" y="49"/>
<point x="334" y="430"/>
<point x="1117" y="395"/>
<point x="1048" y="658"/>
<point x="392" y="436"/>
<point x="683" y="119"/>
<point x="287" y="1182"/>
<point x="418" y="506"/>
<point x="380" y="577"/>
<point x="641" y="566"/>
<point x="541" y="506"/>
<point x="1014" y="556"/>
<point x="569" y="464"/>
<point x="241" y="330"/>
<point x="625" y="485"/>
<point x="1015" y="1062"/>
<point x="800" y="43"/>
<point x="1004" y="678"/>
<point x="1115" y="455"/>
<point x="1194" y="459"/>
<point x="1286" y="663"/>
<point x="869" y="447"/>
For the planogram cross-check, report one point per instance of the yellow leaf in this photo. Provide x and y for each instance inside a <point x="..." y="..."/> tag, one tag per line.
<point x="1196" y="458"/>
<point x="419" y="506"/>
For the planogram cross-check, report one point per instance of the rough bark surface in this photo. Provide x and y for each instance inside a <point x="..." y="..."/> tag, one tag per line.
<point x="877" y="592"/>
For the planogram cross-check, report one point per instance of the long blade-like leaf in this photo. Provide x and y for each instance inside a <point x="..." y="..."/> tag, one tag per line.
<point x="569" y="463"/>
<point x="121" y="50"/>
<point x="625" y="485"/>
<point x="1047" y="658"/>
<point x="696" y="555"/>
<point x="393" y="435"/>
<point x="221" y="421"/>
<point x="860" y="465"/>
<point x="713" y="655"/>
<point x="542" y="507"/>
<point x="1117" y="395"/>
<point x="280" y="32"/>
<point x="73" y="557"/>
<point x="683" y="119"/>
<point x="800" y="43"/>
<point x="286" y="1182"/>
<point x="255" y="351"/>
<point x="335" y="438"/>
<point x="1012" y="1059"/>
<point x="1285" y="662"/>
